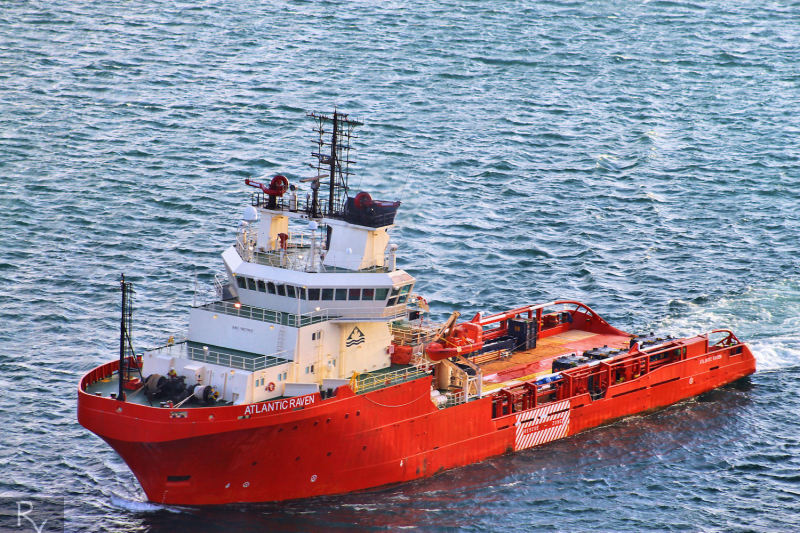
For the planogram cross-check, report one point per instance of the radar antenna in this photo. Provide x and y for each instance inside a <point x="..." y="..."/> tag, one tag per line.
<point x="332" y="158"/>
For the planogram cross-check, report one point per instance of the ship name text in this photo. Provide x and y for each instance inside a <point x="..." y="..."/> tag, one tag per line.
<point x="279" y="405"/>
<point x="709" y="359"/>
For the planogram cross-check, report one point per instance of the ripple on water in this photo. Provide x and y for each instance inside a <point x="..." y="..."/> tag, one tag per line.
<point x="640" y="159"/>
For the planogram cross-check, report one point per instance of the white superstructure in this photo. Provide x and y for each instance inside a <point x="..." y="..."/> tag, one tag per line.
<point x="307" y="302"/>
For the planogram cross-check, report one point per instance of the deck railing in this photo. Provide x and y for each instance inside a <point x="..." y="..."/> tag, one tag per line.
<point x="455" y="398"/>
<point x="296" y="256"/>
<point x="362" y="383"/>
<point x="268" y="315"/>
<point x="411" y="334"/>
<point x="205" y="354"/>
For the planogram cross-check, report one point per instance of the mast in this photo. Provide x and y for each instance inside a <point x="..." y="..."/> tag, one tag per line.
<point x="125" y="347"/>
<point x="333" y="162"/>
<point x="338" y="163"/>
<point x="332" y="159"/>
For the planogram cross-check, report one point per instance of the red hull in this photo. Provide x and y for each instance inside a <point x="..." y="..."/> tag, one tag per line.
<point x="351" y="442"/>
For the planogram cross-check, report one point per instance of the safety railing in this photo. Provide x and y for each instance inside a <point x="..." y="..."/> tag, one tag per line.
<point x="362" y="383"/>
<point x="344" y="314"/>
<point x="295" y="204"/>
<point x="220" y="281"/>
<point x="297" y="254"/>
<point x="231" y="360"/>
<point x="411" y="334"/>
<point x="294" y="258"/>
<point x="268" y="315"/>
<point x="224" y="358"/>
<point x="455" y="398"/>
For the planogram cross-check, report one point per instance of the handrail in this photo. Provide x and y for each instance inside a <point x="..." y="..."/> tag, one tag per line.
<point x="292" y="260"/>
<point x="456" y="398"/>
<point x="729" y="337"/>
<point x="236" y="361"/>
<point x="286" y="318"/>
<point x="410" y="334"/>
<point x="268" y="315"/>
<point x="511" y="313"/>
<point x="222" y="358"/>
<point x="366" y="382"/>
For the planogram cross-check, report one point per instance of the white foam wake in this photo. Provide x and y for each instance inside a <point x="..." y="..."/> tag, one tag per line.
<point x="139" y="506"/>
<point x="767" y="318"/>
<point x="776" y="353"/>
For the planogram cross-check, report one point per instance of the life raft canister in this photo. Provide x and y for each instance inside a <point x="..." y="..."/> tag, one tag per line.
<point x="401" y="354"/>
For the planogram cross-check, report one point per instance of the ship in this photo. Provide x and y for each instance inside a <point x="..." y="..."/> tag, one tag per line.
<point x="313" y="367"/>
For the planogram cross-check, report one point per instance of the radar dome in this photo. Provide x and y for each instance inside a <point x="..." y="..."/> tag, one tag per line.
<point x="250" y="214"/>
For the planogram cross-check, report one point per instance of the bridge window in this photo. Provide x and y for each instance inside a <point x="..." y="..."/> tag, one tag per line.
<point x="367" y="294"/>
<point x="399" y="295"/>
<point x="327" y="294"/>
<point x="241" y="282"/>
<point x="403" y="296"/>
<point x="262" y="287"/>
<point x="281" y="290"/>
<point x="290" y="291"/>
<point x="313" y="294"/>
<point x="355" y="294"/>
<point x="270" y="287"/>
<point x="341" y="294"/>
<point x="251" y="284"/>
<point x="380" y="294"/>
<point x="393" y="297"/>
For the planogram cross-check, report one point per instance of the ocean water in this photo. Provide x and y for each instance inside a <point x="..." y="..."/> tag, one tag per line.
<point x="639" y="156"/>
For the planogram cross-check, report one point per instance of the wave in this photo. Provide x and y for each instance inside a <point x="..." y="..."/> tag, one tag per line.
<point x="777" y="353"/>
<point x="139" y="506"/>
<point x="766" y="317"/>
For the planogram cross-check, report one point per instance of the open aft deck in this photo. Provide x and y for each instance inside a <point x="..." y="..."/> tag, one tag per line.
<point x="529" y="364"/>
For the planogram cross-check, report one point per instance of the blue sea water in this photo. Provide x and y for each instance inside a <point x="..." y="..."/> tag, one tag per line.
<point x="639" y="156"/>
